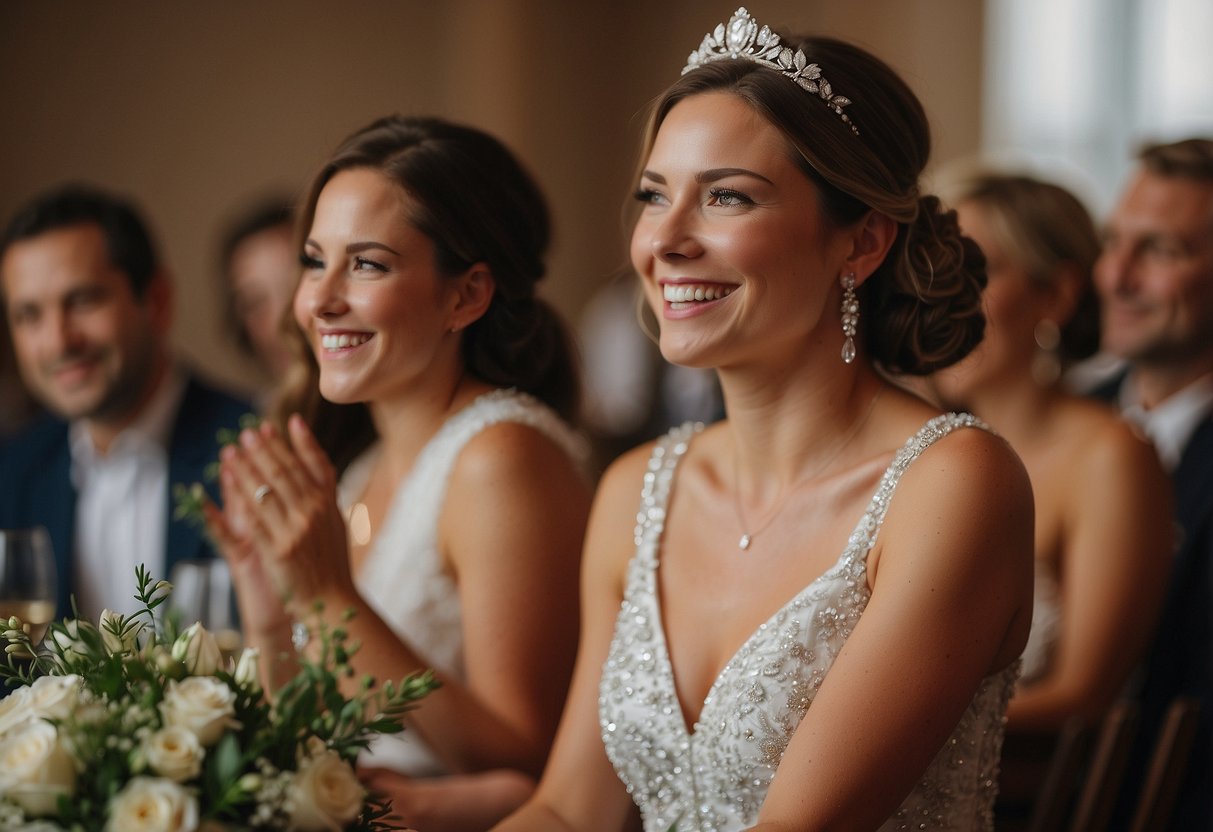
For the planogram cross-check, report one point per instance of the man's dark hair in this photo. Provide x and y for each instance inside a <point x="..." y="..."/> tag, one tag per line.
<point x="1187" y="159"/>
<point x="126" y="236"/>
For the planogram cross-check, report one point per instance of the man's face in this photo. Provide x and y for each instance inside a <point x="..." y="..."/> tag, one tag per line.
<point x="1155" y="276"/>
<point x="85" y="345"/>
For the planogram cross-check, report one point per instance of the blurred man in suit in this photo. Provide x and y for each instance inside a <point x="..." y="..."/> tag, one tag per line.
<point x="1155" y="280"/>
<point x="89" y="307"/>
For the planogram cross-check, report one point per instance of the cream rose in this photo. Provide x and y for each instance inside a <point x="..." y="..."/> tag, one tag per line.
<point x="197" y="649"/>
<point x="325" y="795"/>
<point x="174" y="752"/>
<point x="119" y="634"/>
<point x="153" y="804"/>
<point x="16" y="709"/>
<point x="202" y="705"/>
<point x="35" y="768"/>
<point x="55" y="697"/>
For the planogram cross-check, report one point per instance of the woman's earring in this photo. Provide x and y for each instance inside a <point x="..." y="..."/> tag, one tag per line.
<point x="850" y="316"/>
<point x="1046" y="363"/>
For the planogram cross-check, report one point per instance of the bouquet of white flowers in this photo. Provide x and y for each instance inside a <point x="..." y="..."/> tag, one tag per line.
<point x="130" y="726"/>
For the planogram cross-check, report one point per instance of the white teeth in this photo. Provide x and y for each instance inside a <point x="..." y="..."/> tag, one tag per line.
<point x="686" y="292"/>
<point x="337" y="342"/>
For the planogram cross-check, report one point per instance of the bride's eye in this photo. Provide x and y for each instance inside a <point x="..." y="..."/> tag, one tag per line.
<point x="647" y="196"/>
<point x="729" y="198"/>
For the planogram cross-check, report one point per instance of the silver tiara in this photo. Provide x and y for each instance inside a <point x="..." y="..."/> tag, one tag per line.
<point x="743" y="40"/>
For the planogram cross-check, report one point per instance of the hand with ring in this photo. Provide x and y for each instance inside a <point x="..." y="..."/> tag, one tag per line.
<point x="280" y="511"/>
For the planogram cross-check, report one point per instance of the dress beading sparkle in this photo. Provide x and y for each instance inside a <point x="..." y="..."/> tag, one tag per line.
<point x="404" y="577"/>
<point x="715" y="778"/>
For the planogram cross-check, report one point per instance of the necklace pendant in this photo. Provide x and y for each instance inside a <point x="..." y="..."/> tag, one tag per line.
<point x="744" y="542"/>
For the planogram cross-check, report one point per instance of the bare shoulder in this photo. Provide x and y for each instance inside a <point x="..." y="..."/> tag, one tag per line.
<point x="513" y="451"/>
<point x="970" y="490"/>
<point x="1105" y="442"/>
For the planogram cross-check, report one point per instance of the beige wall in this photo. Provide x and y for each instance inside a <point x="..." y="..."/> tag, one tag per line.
<point x="196" y="108"/>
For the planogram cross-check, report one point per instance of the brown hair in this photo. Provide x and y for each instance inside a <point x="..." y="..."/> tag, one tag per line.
<point x="477" y="204"/>
<point x="923" y="304"/>
<point x="1187" y="159"/>
<point x="1043" y="227"/>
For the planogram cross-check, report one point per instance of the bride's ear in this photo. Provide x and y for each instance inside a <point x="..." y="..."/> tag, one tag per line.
<point x="474" y="291"/>
<point x="871" y="239"/>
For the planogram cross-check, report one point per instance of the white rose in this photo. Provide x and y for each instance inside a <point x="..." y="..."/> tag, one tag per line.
<point x="324" y="794"/>
<point x="174" y="752"/>
<point x="16" y="709"/>
<point x="248" y="669"/>
<point x="55" y="697"/>
<point x="197" y="649"/>
<point x="35" y="768"/>
<point x="153" y="804"/>
<point x="118" y="633"/>
<point x="202" y="705"/>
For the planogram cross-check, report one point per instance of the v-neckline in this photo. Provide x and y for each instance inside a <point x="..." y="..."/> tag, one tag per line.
<point x="691" y="730"/>
<point x="913" y="446"/>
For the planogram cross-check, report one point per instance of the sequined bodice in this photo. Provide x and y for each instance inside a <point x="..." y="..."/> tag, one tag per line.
<point x="715" y="778"/>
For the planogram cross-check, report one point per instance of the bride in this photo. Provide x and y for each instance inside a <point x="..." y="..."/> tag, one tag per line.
<point x="735" y="670"/>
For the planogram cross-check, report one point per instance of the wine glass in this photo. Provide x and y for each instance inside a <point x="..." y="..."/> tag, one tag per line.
<point x="28" y="579"/>
<point x="202" y="592"/>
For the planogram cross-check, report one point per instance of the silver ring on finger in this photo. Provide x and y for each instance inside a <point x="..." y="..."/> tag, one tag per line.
<point x="262" y="492"/>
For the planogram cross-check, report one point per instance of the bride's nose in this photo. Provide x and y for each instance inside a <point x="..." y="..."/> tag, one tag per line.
<point x="675" y="236"/>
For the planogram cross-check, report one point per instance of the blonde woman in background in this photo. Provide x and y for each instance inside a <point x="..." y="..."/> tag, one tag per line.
<point x="1103" y="514"/>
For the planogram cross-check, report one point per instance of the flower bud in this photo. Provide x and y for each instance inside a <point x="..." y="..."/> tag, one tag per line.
<point x="248" y="669"/>
<point x="197" y="649"/>
<point x="119" y="634"/>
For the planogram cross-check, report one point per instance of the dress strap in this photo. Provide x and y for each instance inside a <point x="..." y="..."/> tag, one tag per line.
<point x="655" y="494"/>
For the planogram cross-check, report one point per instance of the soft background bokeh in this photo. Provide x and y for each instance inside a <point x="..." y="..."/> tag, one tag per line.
<point x="194" y="109"/>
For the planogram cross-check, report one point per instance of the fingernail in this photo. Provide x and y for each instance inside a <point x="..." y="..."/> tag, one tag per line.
<point x="249" y="438"/>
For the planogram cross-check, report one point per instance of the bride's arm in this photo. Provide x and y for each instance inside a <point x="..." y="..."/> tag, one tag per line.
<point x="951" y="603"/>
<point x="580" y="791"/>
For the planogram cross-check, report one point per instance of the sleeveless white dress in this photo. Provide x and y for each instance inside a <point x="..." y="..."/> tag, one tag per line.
<point x="715" y="778"/>
<point x="404" y="578"/>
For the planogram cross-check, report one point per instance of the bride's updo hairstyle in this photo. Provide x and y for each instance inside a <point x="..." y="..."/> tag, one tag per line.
<point x="476" y="203"/>
<point x="921" y="310"/>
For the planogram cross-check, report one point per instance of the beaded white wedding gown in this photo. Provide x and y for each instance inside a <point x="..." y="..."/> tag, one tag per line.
<point x="404" y="578"/>
<point x="715" y="778"/>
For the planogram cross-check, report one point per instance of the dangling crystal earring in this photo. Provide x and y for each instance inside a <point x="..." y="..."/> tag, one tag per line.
<point x="850" y="316"/>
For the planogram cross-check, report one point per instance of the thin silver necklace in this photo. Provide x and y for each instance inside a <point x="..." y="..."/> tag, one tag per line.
<point x="747" y="537"/>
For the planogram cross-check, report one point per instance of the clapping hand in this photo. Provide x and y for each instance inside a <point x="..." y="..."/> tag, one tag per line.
<point x="280" y="526"/>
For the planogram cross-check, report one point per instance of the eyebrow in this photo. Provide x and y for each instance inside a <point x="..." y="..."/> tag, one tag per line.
<point x="711" y="175"/>
<point x="358" y="248"/>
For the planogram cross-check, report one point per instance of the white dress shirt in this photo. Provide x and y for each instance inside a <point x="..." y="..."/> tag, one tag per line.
<point x="122" y="504"/>
<point x="1171" y="423"/>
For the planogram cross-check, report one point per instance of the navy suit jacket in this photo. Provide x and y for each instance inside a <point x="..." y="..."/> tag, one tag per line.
<point x="36" y="487"/>
<point x="1180" y="660"/>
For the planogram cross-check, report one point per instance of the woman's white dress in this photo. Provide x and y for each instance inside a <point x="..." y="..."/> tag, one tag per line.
<point x="715" y="777"/>
<point x="404" y="577"/>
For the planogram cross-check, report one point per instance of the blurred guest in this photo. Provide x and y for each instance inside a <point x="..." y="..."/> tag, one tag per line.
<point x="1155" y="280"/>
<point x="1103" y="536"/>
<point x="89" y="305"/>
<point x="441" y="386"/>
<point x="260" y="263"/>
<point x="17" y="406"/>
<point x="1103" y="533"/>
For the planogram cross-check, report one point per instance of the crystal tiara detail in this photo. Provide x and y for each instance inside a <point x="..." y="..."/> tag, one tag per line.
<point x="743" y="40"/>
